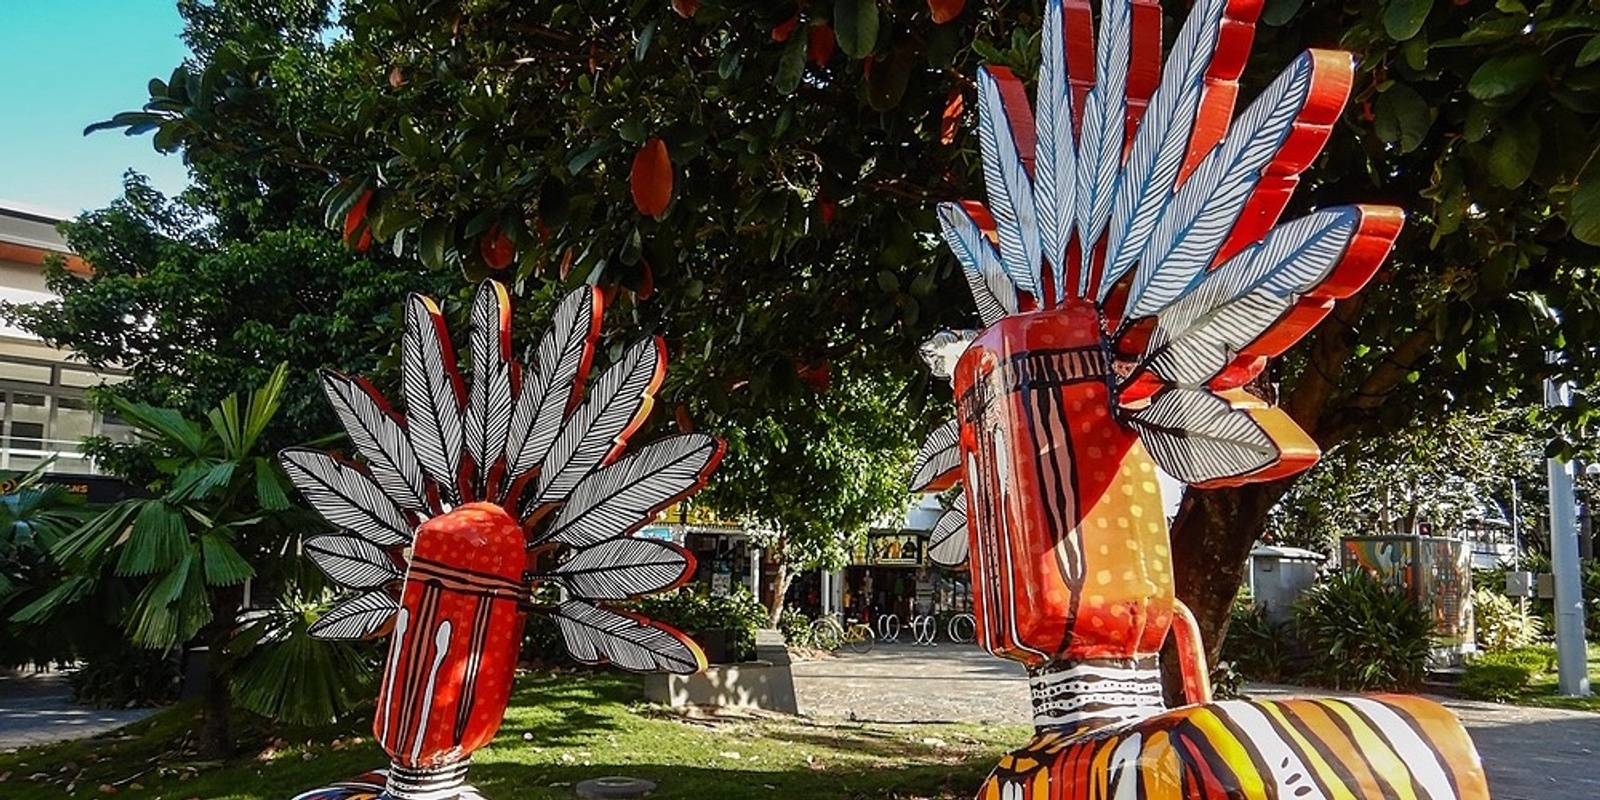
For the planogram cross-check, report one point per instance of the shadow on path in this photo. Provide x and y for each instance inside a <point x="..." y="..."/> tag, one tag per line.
<point x="36" y="708"/>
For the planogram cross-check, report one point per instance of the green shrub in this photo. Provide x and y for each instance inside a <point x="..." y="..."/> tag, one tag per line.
<point x="1227" y="682"/>
<point x="1502" y="624"/>
<point x="702" y="616"/>
<point x="1543" y="608"/>
<point x="1363" y="635"/>
<point x="796" y="628"/>
<point x="1537" y="660"/>
<point x="698" y="614"/>
<point x="1497" y="682"/>
<point x="542" y="643"/>
<point x="121" y="675"/>
<point x="1258" y="649"/>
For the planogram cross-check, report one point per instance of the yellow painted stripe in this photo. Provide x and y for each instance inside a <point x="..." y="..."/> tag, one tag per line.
<point x="1385" y="762"/>
<point x="1160" y="769"/>
<point x="1330" y="778"/>
<point x="1100" y="770"/>
<point x="1318" y="722"/>
<point x="1445" y="733"/>
<point x="1236" y="759"/>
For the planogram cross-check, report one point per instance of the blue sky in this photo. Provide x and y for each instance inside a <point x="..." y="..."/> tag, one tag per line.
<point x="66" y="64"/>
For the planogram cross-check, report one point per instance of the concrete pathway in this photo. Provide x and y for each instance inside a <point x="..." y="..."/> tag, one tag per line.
<point x="1528" y="753"/>
<point x="36" y="708"/>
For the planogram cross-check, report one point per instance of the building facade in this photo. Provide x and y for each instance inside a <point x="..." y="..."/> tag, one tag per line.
<point x="44" y="412"/>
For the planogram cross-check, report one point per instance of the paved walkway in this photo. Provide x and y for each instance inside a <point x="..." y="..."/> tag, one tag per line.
<point x="35" y="709"/>
<point x="1528" y="753"/>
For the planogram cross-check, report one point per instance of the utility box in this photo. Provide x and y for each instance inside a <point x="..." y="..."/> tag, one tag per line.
<point x="1519" y="584"/>
<point x="1278" y="575"/>
<point x="1434" y="571"/>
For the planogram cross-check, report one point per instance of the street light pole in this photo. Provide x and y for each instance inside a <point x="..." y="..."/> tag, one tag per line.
<point x="1572" y="667"/>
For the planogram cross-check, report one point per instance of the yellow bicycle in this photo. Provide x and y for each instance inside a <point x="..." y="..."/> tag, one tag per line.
<point x="829" y="634"/>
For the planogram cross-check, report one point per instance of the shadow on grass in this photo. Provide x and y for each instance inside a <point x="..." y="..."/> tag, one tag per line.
<point x="560" y="711"/>
<point x="559" y="730"/>
<point x="942" y="781"/>
<point x="877" y="743"/>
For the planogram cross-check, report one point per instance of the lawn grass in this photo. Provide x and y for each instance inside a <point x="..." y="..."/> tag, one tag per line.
<point x="1542" y="689"/>
<point x="559" y="730"/>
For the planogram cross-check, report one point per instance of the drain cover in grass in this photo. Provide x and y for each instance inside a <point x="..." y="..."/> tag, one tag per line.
<point x="614" y="788"/>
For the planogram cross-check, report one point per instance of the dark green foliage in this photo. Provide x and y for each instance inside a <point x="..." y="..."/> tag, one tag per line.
<point x="542" y="644"/>
<point x="1361" y="634"/>
<point x="796" y="628"/>
<point x="33" y="517"/>
<point x="1543" y="608"/>
<point x="1257" y="649"/>
<point x="217" y="314"/>
<point x="697" y="614"/>
<point x="815" y="469"/>
<point x="286" y="674"/>
<point x="119" y="675"/>
<point x="1494" y="681"/>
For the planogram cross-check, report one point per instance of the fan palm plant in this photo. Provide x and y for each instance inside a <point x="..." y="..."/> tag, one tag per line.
<point x="217" y="516"/>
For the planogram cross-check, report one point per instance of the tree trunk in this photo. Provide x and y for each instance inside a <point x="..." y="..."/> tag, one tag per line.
<point x="1211" y="540"/>
<point x="216" y="740"/>
<point x="782" y="576"/>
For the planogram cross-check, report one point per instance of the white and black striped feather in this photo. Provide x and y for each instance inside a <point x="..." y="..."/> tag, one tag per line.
<point x="357" y="618"/>
<point x="594" y="634"/>
<point x="993" y="292"/>
<point x="1200" y="334"/>
<point x="433" y="401"/>
<point x="551" y="381"/>
<point x="948" y="542"/>
<point x="1196" y="436"/>
<point x="938" y="456"/>
<point x="618" y="499"/>
<point x="1010" y="191"/>
<point x="489" y="401"/>
<point x="593" y="434"/>
<point x="381" y="440"/>
<point x="351" y="561"/>
<point x="1100" y="145"/>
<point x="346" y="496"/>
<point x="1200" y="216"/>
<point x="623" y="569"/>
<point x="1055" y="162"/>
<point x="1161" y="143"/>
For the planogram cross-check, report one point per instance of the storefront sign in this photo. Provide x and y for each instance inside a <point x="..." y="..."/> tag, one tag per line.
<point x="894" y="549"/>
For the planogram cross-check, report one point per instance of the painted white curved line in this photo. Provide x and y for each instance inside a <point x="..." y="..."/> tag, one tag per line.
<point x="1419" y="756"/>
<point x="1002" y="464"/>
<point x="400" y="621"/>
<point x="1125" y="760"/>
<point x="1285" y="769"/>
<point x="441" y="647"/>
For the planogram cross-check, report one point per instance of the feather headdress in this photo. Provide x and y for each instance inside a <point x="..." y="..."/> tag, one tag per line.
<point x="1126" y="188"/>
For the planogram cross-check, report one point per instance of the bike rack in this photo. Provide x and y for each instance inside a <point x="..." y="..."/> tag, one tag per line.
<point x="889" y="628"/>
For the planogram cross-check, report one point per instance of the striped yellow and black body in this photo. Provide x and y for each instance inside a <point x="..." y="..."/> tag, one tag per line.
<point x="1383" y="748"/>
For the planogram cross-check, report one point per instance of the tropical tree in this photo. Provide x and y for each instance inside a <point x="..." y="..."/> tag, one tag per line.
<point x="640" y="146"/>
<point x="811" y="475"/>
<point x="1453" y="475"/>
<point x="217" y="518"/>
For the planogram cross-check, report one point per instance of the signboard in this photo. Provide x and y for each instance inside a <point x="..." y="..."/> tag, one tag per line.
<point x="895" y="549"/>
<point x="700" y="516"/>
<point x="660" y="532"/>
